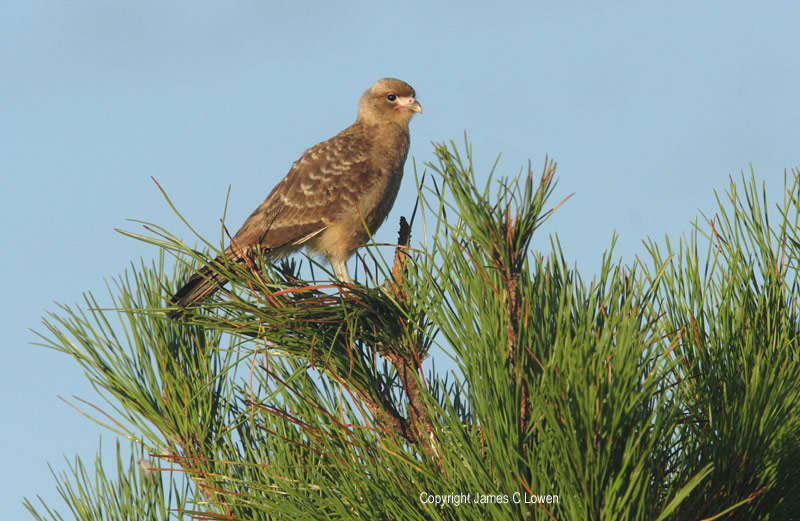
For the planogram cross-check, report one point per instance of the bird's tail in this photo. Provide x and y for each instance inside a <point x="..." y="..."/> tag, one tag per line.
<point x="201" y="285"/>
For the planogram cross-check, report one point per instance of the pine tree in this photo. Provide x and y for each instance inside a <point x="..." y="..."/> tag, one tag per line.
<point x="665" y="389"/>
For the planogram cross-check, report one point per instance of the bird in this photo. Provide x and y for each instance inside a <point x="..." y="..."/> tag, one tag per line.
<point x="334" y="196"/>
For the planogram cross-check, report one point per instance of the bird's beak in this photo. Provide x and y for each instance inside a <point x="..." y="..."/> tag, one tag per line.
<point x="409" y="103"/>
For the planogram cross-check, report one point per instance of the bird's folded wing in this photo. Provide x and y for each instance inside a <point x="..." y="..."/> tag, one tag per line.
<point x="326" y="181"/>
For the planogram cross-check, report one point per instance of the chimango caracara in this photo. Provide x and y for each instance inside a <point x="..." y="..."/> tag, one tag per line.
<point x="330" y="193"/>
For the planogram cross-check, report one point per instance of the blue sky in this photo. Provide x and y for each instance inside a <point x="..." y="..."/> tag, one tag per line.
<point x="647" y="108"/>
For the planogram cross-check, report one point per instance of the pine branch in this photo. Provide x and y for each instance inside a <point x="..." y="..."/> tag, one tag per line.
<point x="664" y="389"/>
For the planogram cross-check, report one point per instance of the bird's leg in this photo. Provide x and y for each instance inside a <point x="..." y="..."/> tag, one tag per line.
<point x="340" y="267"/>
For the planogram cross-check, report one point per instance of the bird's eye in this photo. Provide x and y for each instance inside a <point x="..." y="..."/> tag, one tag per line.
<point x="391" y="97"/>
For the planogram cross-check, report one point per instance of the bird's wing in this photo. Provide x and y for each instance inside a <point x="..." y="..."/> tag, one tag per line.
<point x="324" y="182"/>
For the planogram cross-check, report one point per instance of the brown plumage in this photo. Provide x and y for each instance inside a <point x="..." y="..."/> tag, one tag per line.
<point x="335" y="184"/>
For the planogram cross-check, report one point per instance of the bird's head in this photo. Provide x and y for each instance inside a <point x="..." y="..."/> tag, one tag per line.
<point x="389" y="100"/>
